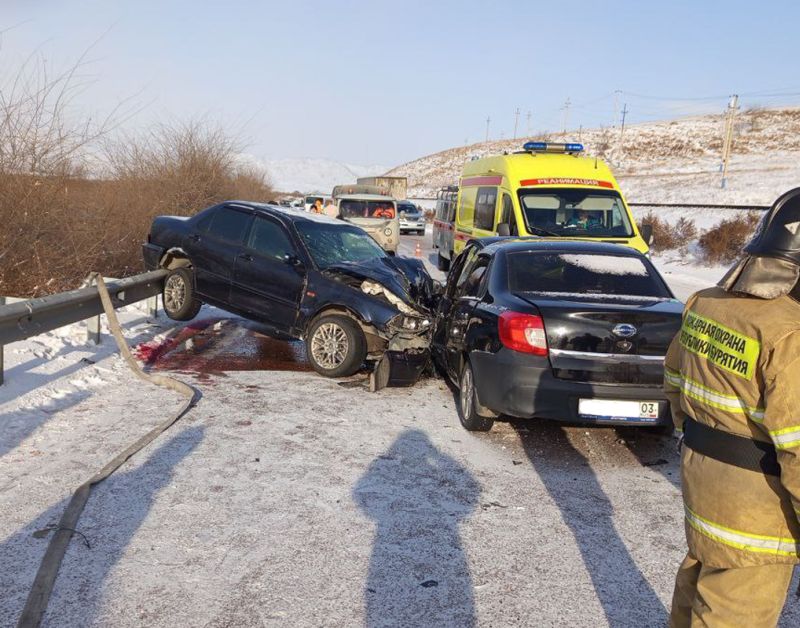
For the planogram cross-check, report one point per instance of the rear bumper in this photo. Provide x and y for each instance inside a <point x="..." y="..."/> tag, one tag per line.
<point x="523" y="386"/>
<point x="152" y="255"/>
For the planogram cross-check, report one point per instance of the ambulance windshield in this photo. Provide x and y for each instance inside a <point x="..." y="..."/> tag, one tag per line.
<point x="575" y="212"/>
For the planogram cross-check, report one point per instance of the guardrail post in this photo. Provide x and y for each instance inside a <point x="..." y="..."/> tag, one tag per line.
<point x="93" y="327"/>
<point x="2" y="302"/>
<point x="152" y="306"/>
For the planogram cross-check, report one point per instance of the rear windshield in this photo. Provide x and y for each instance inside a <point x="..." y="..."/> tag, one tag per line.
<point x="334" y="244"/>
<point x="353" y="208"/>
<point x="584" y="274"/>
<point x="574" y="212"/>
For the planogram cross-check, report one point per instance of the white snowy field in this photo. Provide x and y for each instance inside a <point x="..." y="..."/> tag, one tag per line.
<point x="287" y="499"/>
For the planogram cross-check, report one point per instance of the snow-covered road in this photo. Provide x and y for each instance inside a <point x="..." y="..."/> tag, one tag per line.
<point x="285" y="499"/>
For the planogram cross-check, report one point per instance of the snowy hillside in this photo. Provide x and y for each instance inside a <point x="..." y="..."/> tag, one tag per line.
<point x="670" y="161"/>
<point x="311" y="174"/>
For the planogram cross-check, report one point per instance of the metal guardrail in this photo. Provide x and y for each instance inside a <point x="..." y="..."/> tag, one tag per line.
<point x="24" y="319"/>
<point x="759" y="208"/>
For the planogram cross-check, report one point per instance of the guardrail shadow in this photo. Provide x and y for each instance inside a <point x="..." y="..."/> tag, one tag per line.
<point x="622" y="590"/>
<point x="114" y="513"/>
<point x="21" y="379"/>
<point x="418" y="571"/>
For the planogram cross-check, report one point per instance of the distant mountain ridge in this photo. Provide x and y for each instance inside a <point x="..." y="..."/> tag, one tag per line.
<point x="311" y="174"/>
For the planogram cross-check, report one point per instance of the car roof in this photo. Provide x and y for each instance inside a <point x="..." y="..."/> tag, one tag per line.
<point x="513" y="244"/>
<point x="366" y="197"/>
<point x="290" y="214"/>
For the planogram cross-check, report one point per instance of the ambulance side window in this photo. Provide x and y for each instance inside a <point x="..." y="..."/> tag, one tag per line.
<point x="507" y="215"/>
<point x="484" y="208"/>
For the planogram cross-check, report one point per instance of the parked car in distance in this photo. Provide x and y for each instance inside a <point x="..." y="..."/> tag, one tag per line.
<point x="302" y="275"/>
<point x="556" y="329"/>
<point x="444" y="225"/>
<point x="411" y="218"/>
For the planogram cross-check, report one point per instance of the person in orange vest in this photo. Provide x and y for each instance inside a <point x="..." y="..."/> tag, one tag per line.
<point x="732" y="376"/>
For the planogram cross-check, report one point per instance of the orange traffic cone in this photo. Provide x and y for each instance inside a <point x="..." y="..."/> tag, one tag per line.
<point x="418" y="250"/>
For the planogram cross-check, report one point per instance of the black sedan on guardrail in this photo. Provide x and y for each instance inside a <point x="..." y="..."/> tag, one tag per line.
<point x="303" y="275"/>
<point x="567" y="330"/>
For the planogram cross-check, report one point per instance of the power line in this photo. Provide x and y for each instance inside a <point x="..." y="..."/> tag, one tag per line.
<point x="488" y="120"/>
<point x="516" y="122"/>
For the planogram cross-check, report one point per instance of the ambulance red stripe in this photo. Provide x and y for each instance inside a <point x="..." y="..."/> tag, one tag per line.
<point x="566" y="181"/>
<point x="482" y="181"/>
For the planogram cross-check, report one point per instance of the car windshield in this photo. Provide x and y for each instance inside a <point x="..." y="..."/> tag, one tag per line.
<point x="584" y="274"/>
<point x="575" y="212"/>
<point x="313" y="199"/>
<point x="333" y="244"/>
<point x="356" y="208"/>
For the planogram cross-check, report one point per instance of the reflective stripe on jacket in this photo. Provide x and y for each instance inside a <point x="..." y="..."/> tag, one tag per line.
<point x="735" y="366"/>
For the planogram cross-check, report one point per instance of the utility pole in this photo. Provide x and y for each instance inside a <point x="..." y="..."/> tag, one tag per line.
<point x="580" y="133"/>
<point x="529" y="123"/>
<point x="624" y="113"/>
<point x="567" y="103"/>
<point x="727" y="144"/>
<point x="516" y="122"/>
<point x="488" y="120"/>
<point x="616" y="110"/>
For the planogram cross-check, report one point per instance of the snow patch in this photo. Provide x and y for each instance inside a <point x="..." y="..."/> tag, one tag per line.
<point x="607" y="264"/>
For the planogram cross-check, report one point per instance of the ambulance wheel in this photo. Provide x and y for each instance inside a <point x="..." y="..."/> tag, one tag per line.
<point x="470" y="412"/>
<point x="442" y="263"/>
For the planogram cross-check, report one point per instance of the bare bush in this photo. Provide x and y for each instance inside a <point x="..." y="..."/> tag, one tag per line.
<point x="60" y="221"/>
<point x="725" y="242"/>
<point x="668" y="236"/>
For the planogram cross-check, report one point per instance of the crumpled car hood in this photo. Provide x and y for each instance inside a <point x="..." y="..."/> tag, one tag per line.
<point x="405" y="277"/>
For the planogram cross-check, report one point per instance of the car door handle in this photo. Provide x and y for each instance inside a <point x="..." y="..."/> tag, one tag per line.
<point x="246" y="257"/>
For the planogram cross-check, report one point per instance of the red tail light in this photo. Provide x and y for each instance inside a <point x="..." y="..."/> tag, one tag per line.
<point x="522" y="332"/>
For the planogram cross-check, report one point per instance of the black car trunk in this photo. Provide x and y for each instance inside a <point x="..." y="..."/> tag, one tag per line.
<point x="616" y="340"/>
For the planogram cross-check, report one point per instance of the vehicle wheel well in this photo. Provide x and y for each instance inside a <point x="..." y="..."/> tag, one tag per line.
<point x="175" y="258"/>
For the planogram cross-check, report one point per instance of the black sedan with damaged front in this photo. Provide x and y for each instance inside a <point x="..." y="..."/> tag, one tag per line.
<point x="565" y="330"/>
<point x="303" y="276"/>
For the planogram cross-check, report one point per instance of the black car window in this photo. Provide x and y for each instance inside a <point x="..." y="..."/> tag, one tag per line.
<point x="230" y="224"/>
<point x="203" y="220"/>
<point x="466" y="259"/>
<point x="474" y="283"/>
<point x="331" y="244"/>
<point x="270" y="239"/>
<point x="584" y="274"/>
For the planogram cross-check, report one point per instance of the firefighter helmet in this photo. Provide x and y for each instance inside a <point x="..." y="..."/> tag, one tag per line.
<point x="778" y="235"/>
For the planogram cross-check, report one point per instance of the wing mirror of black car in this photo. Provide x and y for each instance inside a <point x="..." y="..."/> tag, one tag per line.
<point x="503" y="229"/>
<point x="647" y="233"/>
<point x="294" y="261"/>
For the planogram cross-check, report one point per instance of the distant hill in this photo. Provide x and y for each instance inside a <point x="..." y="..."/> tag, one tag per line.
<point x="670" y="161"/>
<point x="311" y="174"/>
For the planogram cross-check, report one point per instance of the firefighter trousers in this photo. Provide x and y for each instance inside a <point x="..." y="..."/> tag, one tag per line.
<point x="747" y="596"/>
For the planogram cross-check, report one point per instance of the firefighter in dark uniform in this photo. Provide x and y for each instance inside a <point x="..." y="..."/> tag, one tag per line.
<point x="732" y="376"/>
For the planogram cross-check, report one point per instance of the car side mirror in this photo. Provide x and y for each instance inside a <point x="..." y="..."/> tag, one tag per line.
<point x="294" y="261"/>
<point x="503" y="229"/>
<point x="647" y="233"/>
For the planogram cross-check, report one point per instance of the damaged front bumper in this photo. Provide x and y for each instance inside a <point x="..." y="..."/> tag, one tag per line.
<point x="399" y="369"/>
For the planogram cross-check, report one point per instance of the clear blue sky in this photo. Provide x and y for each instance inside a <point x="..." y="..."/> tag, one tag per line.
<point x="385" y="82"/>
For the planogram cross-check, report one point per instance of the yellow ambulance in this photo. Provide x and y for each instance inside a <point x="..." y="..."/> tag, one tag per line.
<point x="547" y="190"/>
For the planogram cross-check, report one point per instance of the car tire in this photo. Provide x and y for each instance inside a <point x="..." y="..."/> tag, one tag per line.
<point x="470" y="412"/>
<point x="336" y="346"/>
<point x="442" y="263"/>
<point x="179" y="296"/>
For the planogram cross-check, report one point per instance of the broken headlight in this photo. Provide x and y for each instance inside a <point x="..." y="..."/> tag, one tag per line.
<point x="411" y="323"/>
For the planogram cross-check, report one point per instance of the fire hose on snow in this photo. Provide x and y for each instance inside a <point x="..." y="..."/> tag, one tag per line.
<point x="39" y="595"/>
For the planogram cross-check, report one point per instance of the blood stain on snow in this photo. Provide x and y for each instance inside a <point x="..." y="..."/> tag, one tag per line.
<point x="213" y="346"/>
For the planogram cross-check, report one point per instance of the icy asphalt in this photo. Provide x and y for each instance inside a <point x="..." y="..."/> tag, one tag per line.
<point x="284" y="499"/>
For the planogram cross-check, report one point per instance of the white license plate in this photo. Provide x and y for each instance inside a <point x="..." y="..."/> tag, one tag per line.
<point x="611" y="409"/>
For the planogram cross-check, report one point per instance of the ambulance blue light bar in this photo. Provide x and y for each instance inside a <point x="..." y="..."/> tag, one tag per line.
<point x="546" y="147"/>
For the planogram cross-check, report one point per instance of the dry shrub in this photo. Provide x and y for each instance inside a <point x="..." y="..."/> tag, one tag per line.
<point x="60" y="221"/>
<point x="724" y="243"/>
<point x="668" y="236"/>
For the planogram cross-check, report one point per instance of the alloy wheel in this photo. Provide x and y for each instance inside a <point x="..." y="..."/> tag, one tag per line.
<point x="466" y="392"/>
<point x="174" y="293"/>
<point x="329" y="346"/>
